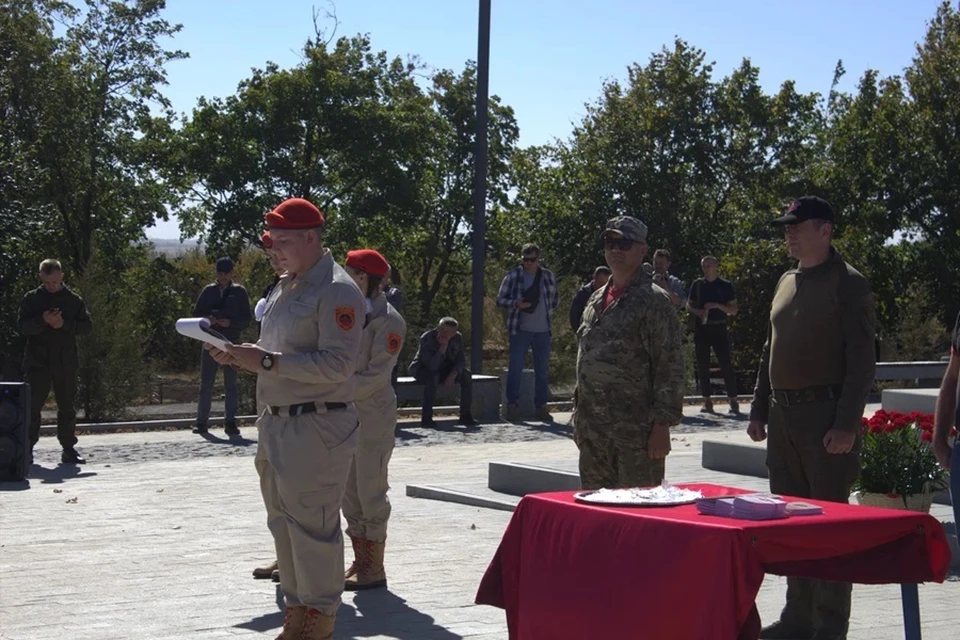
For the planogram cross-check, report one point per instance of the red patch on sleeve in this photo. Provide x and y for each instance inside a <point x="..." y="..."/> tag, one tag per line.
<point x="346" y="317"/>
<point x="394" y="342"/>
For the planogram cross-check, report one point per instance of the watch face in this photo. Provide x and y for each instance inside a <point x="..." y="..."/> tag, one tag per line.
<point x="267" y="361"/>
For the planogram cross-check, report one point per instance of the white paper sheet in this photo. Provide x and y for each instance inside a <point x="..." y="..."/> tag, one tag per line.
<point x="201" y="329"/>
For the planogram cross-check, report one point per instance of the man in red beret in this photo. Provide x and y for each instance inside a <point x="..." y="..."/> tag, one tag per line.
<point x="365" y="505"/>
<point x="305" y="362"/>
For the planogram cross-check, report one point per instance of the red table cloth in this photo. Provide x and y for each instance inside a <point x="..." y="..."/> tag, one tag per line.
<point x="570" y="570"/>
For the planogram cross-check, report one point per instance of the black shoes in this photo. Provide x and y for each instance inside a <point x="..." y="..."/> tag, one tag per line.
<point x="201" y="429"/>
<point x="71" y="456"/>
<point x="231" y="428"/>
<point x="467" y="421"/>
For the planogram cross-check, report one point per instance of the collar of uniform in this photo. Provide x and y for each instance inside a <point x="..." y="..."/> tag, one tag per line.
<point x="322" y="271"/>
<point x="831" y="262"/>
<point x="378" y="306"/>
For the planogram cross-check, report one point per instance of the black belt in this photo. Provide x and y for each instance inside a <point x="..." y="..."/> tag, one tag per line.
<point x="787" y="397"/>
<point x="306" y="407"/>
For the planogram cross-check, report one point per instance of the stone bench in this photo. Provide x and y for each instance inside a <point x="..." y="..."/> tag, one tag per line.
<point x="925" y="372"/>
<point x="486" y="395"/>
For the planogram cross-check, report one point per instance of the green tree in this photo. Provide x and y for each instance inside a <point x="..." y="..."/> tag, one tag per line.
<point x="934" y="83"/>
<point x="96" y="137"/>
<point x="335" y="129"/>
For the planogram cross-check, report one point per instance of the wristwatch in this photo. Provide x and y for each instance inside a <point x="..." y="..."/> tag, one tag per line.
<point x="267" y="361"/>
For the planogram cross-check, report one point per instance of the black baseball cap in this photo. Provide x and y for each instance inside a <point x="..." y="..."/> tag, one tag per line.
<point x="806" y="208"/>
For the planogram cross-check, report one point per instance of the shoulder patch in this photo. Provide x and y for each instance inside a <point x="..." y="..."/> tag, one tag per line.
<point x="346" y="317"/>
<point x="394" y="342"/>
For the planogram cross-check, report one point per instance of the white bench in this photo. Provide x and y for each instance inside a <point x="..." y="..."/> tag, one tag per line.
<point x="486" y="395"/>
<point x="925" y="372"/>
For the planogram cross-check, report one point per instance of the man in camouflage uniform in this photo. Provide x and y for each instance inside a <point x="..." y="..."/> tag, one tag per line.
<point x="630" y="371"/>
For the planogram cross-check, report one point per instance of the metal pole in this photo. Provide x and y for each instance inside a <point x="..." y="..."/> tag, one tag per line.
<point x="480" y="189"/>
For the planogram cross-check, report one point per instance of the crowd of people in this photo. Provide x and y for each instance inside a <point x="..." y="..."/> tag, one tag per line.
<point x="326" y="364"/>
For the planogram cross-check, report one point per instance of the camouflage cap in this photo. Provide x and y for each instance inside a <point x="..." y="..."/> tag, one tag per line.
<point x="626" y="227"/>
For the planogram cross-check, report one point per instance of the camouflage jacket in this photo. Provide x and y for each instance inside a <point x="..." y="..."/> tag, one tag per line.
<point x="630" y="367"/>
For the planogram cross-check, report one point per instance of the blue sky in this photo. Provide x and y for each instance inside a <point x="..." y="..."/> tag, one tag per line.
<point x="549" y="58"/>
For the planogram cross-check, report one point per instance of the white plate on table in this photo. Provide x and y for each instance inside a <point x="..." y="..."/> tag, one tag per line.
<point x="664" y="496"/>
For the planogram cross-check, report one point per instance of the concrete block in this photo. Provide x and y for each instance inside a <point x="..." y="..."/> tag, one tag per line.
<point x="525" y="403"/>
<point x="442" y="494"/>
<point x="909" y="400"/>
<point x="520" y="479"/>
<point x="745" y="460"/>
<point x="486" y="395"/>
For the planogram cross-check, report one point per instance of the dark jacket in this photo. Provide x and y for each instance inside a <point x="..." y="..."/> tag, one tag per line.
<point x="230" y="303"/>
<point x="48" y="347"/>
<point x="579" y="304"/>
<point x="429" y="357"/>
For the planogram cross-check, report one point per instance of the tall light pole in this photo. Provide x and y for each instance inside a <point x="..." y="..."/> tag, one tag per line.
<point x="480" y="188"/>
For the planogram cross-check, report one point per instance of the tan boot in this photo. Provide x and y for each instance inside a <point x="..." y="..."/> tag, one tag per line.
<point x="359" y="549"/>
<point x="318" y="626"/>
<point x="293" y="621"/>
<point x="370" y="574"/>
<point x="262" y="573"/>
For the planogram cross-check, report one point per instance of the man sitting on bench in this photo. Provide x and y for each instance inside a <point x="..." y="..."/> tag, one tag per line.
<point x="440" y="359"/>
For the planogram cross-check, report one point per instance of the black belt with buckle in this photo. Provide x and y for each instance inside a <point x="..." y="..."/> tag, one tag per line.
<point x="788" y="397"/>
<point x="306" y="407"/>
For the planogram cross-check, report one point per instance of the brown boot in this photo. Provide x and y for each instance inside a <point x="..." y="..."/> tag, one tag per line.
<point x="370" y="573"/>
<point x="262" y="573"/>
<point x="359" y="549"/>
<point x="318" y="626"/>
<point x="293" y="621"/>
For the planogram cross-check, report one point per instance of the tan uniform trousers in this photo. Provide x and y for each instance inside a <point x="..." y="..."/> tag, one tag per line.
<point x="303" y="462"/>
<point x="366" y="505"/>
<point x="800" y="466"/>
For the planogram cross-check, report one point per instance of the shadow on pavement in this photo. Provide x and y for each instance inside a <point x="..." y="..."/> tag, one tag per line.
<point x="237" y="441"/>
<point x="382" y="613"/>
<point x="267" y="621"/>
<point x="59" y="473"/>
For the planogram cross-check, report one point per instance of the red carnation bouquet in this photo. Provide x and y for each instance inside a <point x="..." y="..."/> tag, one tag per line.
<point x="897" y="458"/>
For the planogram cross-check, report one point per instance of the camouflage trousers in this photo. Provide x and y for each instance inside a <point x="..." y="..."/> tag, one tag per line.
<point x="613" y="460"/>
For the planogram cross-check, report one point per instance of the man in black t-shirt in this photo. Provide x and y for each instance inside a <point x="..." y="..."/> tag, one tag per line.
<point x="946" y="417"/>
<point x="712" y="300"/>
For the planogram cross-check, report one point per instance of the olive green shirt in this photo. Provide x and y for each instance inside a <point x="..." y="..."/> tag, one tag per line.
<point x="821" y="332"/>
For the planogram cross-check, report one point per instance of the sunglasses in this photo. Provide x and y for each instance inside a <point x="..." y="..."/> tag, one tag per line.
<point x="617" y="243"/>
<point x="530" y="258"/>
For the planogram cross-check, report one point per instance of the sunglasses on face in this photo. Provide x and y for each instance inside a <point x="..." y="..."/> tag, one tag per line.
<point x="617" y="243"/>
<point x="530" y="258"/>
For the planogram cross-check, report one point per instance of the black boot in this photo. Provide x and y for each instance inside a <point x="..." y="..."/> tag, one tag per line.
<point x="71" y="456"/>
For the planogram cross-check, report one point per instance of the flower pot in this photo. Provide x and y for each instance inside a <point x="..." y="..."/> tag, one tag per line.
<point x="914" y="502"/>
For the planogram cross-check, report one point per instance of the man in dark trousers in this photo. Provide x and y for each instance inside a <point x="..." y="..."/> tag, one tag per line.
<point x="227" y="306"/>
<point x="712" y="301"/>
<point x="600" y="276"/>
<point x="50" y="318"/>
<point x="440" y="359"/>
<point x="816" y="371"/>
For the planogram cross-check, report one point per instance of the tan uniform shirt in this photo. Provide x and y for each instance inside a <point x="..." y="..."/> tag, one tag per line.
<point x="379" y="350"/>
<point x="315" y="321"/>
<point x="822" y="328"/>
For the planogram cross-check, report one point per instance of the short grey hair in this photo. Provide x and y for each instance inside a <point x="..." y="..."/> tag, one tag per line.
<point x="448" y="322"/>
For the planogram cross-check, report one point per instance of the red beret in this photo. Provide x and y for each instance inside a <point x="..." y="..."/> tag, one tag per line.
<point x="368" y="261"/>
<point x="266" y="240"/>
<point x="295" y="213"/>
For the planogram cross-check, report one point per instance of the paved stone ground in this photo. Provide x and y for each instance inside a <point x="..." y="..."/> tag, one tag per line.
<point x="152" y="541"/>
<point x="182" y="444"/>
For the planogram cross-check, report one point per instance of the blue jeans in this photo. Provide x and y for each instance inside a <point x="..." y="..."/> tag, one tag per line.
<point x="955" y="483"/>
<point x="520" y="343"/>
